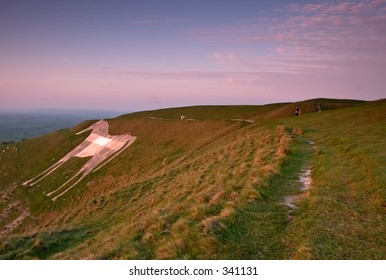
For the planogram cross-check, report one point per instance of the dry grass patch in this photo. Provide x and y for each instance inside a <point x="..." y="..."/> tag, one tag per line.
<point x="188" y="204"/>
<point x="167" y="207"/>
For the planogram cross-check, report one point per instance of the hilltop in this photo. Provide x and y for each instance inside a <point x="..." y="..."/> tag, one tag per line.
<point x="222" y="182"/>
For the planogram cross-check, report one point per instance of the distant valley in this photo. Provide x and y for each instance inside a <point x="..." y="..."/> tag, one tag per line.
<point x="16" y="125"/>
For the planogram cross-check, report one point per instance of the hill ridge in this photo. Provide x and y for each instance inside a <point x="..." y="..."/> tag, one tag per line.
<point x="206" y="189"/>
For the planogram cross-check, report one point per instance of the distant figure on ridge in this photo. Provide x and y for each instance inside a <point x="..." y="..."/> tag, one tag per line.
<point x="297" y="111"/>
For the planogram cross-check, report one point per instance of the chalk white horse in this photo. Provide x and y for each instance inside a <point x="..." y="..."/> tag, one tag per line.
<point x="99" y="145"/>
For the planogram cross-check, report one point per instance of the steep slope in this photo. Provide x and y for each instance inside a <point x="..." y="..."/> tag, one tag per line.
<point x="192" y="189"/>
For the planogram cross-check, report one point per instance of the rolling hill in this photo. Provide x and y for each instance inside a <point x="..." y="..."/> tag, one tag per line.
<point x="226" y="182"/>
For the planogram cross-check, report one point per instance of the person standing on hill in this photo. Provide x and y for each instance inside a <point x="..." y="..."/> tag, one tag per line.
<point x="297" y="111"/>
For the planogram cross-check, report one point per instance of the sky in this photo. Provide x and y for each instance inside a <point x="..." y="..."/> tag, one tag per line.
<point x="146" y="54"/>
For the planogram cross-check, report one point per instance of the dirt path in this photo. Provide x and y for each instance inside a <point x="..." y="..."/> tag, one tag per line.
<point x="99" y="145"/>
<point x="164" y="119"/>
<point x="4" y="195"/>
<point x="242" y="120"/>
<point x="24" y="213"/>
<point x="305" y="179"/>
<point x="11" y="226"/>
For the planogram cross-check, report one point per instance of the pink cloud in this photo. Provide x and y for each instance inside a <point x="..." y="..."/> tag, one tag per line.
<point x="378" y="2"/>
<point x="343" y="7"/>
<point x="342" y="23"/>
<point x="312" y="38"/>
<point x="229" y="77"/>
<point x="308" y="8"/>
<point x="156" y="21"/>
<point x="332" y="7"/>
<point x="224" y="57"/>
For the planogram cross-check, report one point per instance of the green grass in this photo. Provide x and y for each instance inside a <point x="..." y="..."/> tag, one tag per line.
<point x="259" y="230"/>
<point x="43" y="245"/>
<point x="211" y="189"/>
<point x="38" y="193"/>
<point x="25" y="159"/>
<point x="344" y="217"/>
<point x="208" y="112"/>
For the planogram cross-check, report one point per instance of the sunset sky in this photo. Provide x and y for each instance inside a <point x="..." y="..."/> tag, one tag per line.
<point x="143" y="54"/>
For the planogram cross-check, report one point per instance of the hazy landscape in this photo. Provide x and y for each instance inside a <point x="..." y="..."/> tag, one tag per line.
<point x="23" y="124"/>
<point x="226" y="182"/>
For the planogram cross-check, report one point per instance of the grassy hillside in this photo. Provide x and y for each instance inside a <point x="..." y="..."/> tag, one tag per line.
<point x="344" y="216"/>
<point x="209" y="187"/>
